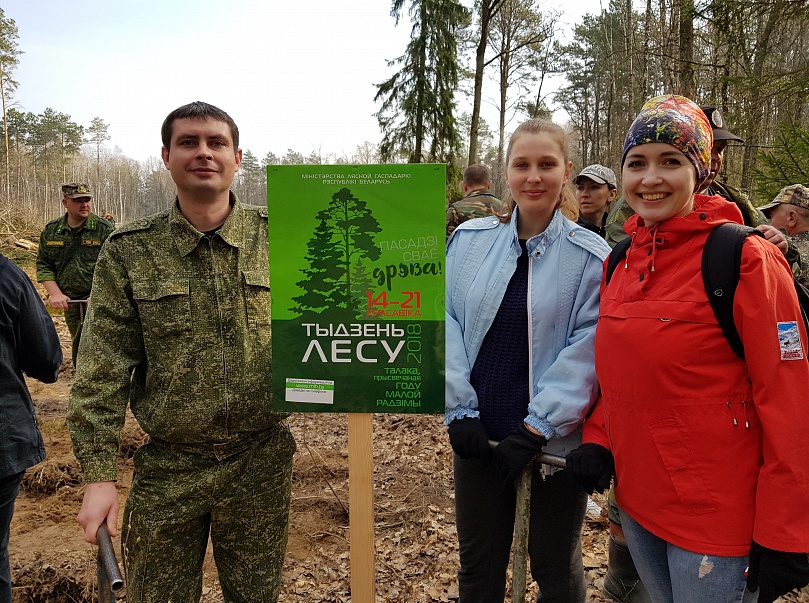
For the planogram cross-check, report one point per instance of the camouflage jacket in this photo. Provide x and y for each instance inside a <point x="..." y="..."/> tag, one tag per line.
<point x="477" y="204"/>
<point x="68" y="256"/>
<point x="801" y="242"/>
<point x="614" y="222"/>
<point x="752" y="216"/>
<point x="180" y="328"/>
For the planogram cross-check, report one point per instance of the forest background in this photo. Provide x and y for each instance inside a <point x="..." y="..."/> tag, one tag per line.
<point x="746" y="57"/>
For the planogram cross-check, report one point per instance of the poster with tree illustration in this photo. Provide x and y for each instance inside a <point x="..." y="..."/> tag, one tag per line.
<point x="357" y="277"/>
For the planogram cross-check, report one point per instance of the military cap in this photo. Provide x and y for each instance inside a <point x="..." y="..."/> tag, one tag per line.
<point x="598" y="174"/>
<point x="76" y="190"/>
<point x="794" y="194"/>
<point x="718" y="125"/>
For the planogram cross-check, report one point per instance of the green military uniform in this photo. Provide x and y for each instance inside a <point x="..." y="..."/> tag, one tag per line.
<point x="68" y="256"/>
<point x="477" y="204"/>
<point x="179" y="327"/>
<point x="614" y="223"/>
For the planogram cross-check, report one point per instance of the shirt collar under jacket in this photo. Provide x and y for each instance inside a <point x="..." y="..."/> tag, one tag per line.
<point x="187" y="237"/>
<point x="538" y="243"/>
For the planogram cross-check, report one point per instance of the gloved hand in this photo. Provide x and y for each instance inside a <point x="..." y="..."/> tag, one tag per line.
<point x="469" y="439"/>
<point x="591" y="466"/>
<point x="515" y="451"/>
<point x="775" y="572"/>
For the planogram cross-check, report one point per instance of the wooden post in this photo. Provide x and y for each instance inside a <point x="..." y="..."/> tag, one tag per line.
<point x="361" y="510"/>
<point x="522" y="518"/>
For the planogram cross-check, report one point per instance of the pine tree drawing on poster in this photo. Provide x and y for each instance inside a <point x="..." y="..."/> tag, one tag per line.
<point x="336" y="278"/>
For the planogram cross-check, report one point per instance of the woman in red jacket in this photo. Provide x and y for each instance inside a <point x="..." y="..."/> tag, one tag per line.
<point x="710" y="454"/>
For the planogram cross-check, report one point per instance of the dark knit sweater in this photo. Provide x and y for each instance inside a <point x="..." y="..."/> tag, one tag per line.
<point x="500" y="373"/>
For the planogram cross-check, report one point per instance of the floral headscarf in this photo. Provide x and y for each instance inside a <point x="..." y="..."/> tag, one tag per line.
<point x="677" y="121"/>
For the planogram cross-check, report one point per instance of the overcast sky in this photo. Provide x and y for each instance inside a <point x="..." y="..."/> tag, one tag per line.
<point x="296" y="75"/>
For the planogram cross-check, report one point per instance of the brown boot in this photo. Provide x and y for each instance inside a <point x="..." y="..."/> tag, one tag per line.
<point x="621" y="582"/>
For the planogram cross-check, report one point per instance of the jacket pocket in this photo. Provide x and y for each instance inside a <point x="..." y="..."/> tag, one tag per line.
<point x="672" y="446"/>
<point x="257" y="297"/>
<point x="164" y="307"/>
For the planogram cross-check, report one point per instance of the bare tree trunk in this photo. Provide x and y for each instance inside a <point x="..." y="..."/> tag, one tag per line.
<point x="688" y="84"/>
<point x="488" y="8"/>
<point x="5" y="132"/>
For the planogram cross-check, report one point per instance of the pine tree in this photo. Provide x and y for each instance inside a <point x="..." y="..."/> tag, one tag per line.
<point x="417" y="113"/>
<point x="9" y="53"/>
<point x="342" y="240"/>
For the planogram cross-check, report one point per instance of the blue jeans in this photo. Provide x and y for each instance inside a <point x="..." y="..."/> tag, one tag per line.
<point x="9" y="487"/>
<point x="674" y="575"/>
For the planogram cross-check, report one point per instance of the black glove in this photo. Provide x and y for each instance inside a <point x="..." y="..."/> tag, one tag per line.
<point x="515" y="451"/>
<point x="469" y="439"/>
<point x="591" y="466"/>
<point x="775" y="572"/>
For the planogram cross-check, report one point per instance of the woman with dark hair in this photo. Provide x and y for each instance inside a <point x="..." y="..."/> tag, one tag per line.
<point x="708" y="447"/>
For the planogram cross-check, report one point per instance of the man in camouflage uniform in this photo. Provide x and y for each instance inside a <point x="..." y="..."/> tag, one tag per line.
<point x="790" y="211"/>
<point x="478" y="202"/>
<point x="68" y="250"/>
<point x="179" y="327"/>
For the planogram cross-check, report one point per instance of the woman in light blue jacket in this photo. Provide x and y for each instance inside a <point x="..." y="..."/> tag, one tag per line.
<point x="522" y="305"/>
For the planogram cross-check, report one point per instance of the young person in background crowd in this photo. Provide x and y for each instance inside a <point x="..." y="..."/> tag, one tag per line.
<point x="596" y="188"/>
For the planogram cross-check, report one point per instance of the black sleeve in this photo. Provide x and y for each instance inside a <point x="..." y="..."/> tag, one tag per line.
<point x="38" y="347"/>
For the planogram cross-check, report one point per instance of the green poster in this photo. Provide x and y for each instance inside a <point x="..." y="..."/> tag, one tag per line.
<point x="357" y="275"/>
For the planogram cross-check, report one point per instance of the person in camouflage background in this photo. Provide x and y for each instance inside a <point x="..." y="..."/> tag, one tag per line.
<point x="179" y="328"/>
<point x="478" y="202"/>
<point x="68" y="250"/>
<point x="790" y="211"/>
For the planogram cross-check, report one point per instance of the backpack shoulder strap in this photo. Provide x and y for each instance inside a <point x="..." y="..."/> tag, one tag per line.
<point x="721" y="263"/>
<point x="616" y="255"/>
<point x="803" y="301"/>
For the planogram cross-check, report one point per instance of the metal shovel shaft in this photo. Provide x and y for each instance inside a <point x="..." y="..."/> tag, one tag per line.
<point x="109" y="574"/>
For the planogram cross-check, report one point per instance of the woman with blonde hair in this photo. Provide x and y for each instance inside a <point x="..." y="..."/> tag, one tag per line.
<point x="522" y="303"/>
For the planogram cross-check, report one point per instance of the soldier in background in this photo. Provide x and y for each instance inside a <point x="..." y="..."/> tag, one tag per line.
<point x="68" y="250"/>
<point x="478" y="201"/>
<point x="28" y="344"/>
<point x="790" y="211"/>
<point x="179" y="328"/>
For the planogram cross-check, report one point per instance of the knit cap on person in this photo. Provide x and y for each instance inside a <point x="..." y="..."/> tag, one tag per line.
<point x="677" y="121"/>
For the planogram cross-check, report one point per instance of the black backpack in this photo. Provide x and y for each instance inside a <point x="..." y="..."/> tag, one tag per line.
<point x="721" y="262"/>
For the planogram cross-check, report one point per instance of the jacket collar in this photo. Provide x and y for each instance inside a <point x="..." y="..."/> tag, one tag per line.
<point x="544" y="239"/>
<point x="709" y="211"/>
<point x="90" y="223"/>
<point x="187" y="237"/>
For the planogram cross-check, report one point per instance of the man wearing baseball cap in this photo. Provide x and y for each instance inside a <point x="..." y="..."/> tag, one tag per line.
<point x="790" y="211"/>
<point x="68" y="249"/>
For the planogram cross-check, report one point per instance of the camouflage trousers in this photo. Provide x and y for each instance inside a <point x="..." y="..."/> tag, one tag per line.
<point x="74" y="317"/>
<point x="179" y="497"/>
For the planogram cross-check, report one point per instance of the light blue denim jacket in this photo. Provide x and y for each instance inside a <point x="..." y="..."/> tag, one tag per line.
<point x="565" y="265"/>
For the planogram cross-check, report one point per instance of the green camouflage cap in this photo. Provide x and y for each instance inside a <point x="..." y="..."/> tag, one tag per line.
<point x="794" y="194"/>
<point x="76" y="190"/>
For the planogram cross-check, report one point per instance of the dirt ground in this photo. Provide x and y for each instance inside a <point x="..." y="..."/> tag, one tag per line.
<point x="415" y="540"/>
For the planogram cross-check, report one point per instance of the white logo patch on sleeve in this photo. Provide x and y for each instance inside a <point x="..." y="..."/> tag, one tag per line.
<point x="789" y="340"/>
